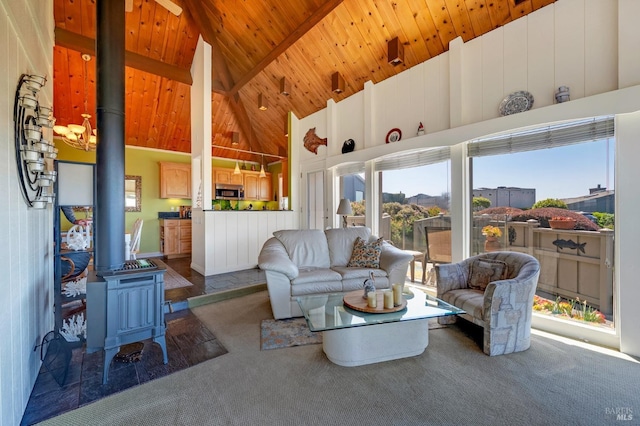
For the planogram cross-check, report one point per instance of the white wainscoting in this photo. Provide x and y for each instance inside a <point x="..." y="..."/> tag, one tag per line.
<point x="227" y="241"/>
<point x="26" y="255"/>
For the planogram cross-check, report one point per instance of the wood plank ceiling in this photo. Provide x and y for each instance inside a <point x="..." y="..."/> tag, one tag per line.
<point x="255" y="44"/>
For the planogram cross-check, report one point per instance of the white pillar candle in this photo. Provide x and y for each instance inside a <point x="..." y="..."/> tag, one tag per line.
<point x="388" y="299"/>
<point x="397" y="294"/>
<point x="372" y="299"/>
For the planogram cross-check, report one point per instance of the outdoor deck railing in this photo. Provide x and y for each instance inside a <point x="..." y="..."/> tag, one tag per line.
<point x="573" y="264"/>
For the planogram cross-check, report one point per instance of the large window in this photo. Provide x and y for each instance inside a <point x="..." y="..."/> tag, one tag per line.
<point x="523" y="181"/>
<point x="415" y="187"/>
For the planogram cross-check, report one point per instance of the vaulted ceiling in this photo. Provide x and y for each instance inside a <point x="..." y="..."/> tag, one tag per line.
<point x="255" y="44"/>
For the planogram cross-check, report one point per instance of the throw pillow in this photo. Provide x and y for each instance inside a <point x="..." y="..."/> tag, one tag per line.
<point x="366" y="255"/>
<point x="484" y="271"/>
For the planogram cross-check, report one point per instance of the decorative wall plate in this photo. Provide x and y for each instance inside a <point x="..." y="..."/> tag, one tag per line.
<point x="516" y="102"/>
<point x="394" y="135"/>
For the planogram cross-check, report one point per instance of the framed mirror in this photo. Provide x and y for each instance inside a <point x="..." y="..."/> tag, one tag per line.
<point x="132" y="191"/>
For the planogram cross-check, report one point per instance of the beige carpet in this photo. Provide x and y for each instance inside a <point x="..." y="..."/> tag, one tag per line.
<point x="555" y="382"/>
<point x="172" y="279"/>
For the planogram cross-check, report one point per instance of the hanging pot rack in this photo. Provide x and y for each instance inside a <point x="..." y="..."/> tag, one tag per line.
<point x="249" y="152"/>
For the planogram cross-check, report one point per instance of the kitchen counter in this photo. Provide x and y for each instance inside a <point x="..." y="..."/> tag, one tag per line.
<point x="172" y="216"/>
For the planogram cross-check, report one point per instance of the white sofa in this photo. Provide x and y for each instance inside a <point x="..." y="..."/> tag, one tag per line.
<point x="306" y="262"/>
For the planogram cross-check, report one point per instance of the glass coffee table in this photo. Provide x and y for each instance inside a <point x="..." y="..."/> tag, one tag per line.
<point x="351" y="337"/>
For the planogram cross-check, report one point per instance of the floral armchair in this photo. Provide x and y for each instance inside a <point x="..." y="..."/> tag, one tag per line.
<point x="496" y="291"/>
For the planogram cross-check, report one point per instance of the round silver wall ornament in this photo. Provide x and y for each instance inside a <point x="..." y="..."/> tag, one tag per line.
<point x="516" y="102"/>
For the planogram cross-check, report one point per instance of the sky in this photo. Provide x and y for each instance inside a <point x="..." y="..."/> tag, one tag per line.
<point x="564" y="172"/>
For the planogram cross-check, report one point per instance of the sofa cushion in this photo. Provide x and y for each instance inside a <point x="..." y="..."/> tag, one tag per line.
<point x="340" y="241"/>
<point x="310" y="275"/>
<point x="315" y="287"/>
<point x="471" y="301"/>
<point x="483" y="271"/>
<point x="366" y="255"/>
<point x="348" y="273"/>
<point x="305" y="247"/>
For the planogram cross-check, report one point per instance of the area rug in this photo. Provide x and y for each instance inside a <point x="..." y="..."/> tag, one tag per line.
<point x="172" y="280"/>
<point x="276" y="334"/>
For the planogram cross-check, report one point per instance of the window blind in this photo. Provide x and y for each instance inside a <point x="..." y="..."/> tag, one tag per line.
<point x="350" y="169"/>
<point x="551" y="136"/>
<point x="413" y="159"/>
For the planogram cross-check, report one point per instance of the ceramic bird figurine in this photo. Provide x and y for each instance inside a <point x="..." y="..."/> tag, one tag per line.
<point x="369" y="285"/>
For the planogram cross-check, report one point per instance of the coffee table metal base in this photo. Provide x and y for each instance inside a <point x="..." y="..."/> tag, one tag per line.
<point x="355" y="346"/>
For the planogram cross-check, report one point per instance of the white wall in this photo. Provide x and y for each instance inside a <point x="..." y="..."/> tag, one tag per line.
<point x="234" y="238"/>
<point x="200" y="149"/>
<point x="627" y="233"/>
<point x="588" y="45"/>
<point x="26" y="46"/>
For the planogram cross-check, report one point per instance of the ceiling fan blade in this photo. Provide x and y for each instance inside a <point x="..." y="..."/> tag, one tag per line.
<point x="128" y="5"/>
<point x="170" y="6"/>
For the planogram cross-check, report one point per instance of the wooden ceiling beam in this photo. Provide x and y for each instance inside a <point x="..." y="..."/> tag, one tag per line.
<point x="222" y="81"/>
<point x="308" y="24"/>
<point x="80" y="43"/>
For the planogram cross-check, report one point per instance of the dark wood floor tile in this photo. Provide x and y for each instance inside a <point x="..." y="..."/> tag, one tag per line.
<point x="46" y="383"/>
<point x="119" y="380"/>
<point x="49" y="404"/>
<point x="194" y="336"/>
<point x="151" y="366"/>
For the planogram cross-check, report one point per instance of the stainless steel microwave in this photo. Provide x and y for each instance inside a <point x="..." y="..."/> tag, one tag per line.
<point x="229" y="192"/>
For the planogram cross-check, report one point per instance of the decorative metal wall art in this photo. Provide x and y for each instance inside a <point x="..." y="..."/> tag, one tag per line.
<point x="313" y="141"/>
<point x="29" y="118"/>
<point x="569" y="244"/>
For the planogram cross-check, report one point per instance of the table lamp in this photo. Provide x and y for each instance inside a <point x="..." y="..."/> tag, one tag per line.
<point x="344" y="209"/>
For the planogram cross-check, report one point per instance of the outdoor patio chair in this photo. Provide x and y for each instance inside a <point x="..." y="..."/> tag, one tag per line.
<point x="438" y="239"/>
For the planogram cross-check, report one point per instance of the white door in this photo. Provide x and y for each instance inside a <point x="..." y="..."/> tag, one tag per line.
<point x="315" y="200"/>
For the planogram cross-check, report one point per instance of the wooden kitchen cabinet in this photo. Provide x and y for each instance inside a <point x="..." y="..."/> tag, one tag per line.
<point x="250" y="186"/>
<point x="226" y="176"/>
<point x="264" y="188"/>
<point x="175" y="237"/>
<point x="257" y="188"/>
<point x="175" y="180"/>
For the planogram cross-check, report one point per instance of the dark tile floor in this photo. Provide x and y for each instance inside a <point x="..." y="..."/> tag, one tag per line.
<point x="189" y="342"/>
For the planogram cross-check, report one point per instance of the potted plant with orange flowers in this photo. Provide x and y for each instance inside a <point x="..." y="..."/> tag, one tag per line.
<point x="492" y="233"/>
<point x="562" y="222"/>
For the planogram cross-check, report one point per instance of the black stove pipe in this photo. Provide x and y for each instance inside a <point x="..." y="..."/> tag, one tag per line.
<point x="109" y="215"/>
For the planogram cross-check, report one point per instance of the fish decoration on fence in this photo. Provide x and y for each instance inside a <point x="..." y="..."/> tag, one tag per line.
<point x="569" y="244"/>
<point x="313" y="141"/>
